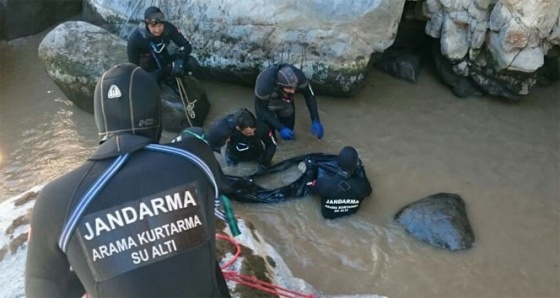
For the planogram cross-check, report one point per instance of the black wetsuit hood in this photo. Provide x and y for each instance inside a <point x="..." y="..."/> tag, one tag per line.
<point x="127" y="100"/>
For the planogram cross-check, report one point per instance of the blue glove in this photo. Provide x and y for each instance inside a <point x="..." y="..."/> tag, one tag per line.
<point x="287" y="134"/>
<point x="317" y="129"/>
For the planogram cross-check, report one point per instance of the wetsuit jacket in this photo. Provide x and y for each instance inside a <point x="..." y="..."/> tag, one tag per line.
<point x="268" y="95"/>
<point x="340" y="195"/>
<point x="142" y="47"/>
<point x="150" y="232"/>
<point x="260" y="147"/>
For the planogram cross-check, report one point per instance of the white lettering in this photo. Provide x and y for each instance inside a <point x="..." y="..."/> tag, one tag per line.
<point x="89" y="235"/>
<point x="145" y="211"/>
<point x="100" y="226"/>
<point x="140" y="256"/>
<point x="129" y="215"/>
<point x="113" y="248"/>
<point x="115" y="219"/>
<point x="189" y="199"/>
<point x="345" y="201"/>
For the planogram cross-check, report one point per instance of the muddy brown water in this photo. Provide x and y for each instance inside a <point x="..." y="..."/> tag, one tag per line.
<point x="415" y="140"/>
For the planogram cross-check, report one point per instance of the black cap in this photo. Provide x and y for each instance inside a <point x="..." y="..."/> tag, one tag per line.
<point x="348" y="159"/>
<point x="286" y="77"/>
<point x="127" y="100"/>
<point x="153" y="15"/>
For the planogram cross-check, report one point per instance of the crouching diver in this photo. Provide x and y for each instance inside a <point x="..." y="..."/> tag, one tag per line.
<point x="342" y="185"/>
<point x="137" y="218"/>
<point x="245" y="138"/>
<point x="148" y="45"/>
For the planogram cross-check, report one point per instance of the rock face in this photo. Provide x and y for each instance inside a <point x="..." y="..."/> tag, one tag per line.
<point x="496" y="46"/>
<point x="257" y="258"/>
<point x="23" y="18"/>
<point x="439" y="220"/>
<point x="76" y="54"/>
<point x="331" y="41"/>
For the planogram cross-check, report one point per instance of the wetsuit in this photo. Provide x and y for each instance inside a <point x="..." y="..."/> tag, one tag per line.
<point x="151" y="54"/>
<point x="276" y="109"/>
<point x="341" y="195"/>
<point x="150" y="232"/>
<point x="260" y="147"/>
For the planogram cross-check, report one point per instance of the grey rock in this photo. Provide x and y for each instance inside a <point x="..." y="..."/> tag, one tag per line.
<point x="439" y="220"/>
<point x="23" y="18"/>
<point x="331" y="41"/>
<point x="504" y="41"/>
<point x="76" y="54"/>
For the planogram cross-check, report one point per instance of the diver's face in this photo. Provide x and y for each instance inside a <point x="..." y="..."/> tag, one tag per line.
<point x="288" y="90"/>
<point x="247" y="131"/>
<point x="156" y="29"/>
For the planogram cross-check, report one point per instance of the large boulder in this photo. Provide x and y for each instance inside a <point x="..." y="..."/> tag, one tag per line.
<point x="23" y="18"/>
<point x="257" y="258"/>
<point x="497" y="46"/>
<point x="332" y="41"/>
<point x="76" y="54"/>
<point x="439" y="220"/>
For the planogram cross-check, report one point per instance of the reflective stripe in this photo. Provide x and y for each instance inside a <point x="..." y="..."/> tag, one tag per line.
<point x="77" y="213"/>
<point x="201" y="164"/>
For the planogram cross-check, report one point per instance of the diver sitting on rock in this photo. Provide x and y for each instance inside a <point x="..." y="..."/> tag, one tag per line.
<point x="148" y="45"/>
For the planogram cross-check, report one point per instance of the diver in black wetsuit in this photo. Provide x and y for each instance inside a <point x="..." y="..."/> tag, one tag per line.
<point x="147" y="47"/>
<point x="342" y="186"/>
<point x="275" y="88"/>
<point x="137" y="218"/>
<point x="247" y="139"/>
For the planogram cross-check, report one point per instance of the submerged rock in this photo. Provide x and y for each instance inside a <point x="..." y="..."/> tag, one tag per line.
<point x="440" y="220"/>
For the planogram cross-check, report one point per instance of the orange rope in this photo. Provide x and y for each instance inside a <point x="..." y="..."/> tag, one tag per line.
<point x="251" y="281"/>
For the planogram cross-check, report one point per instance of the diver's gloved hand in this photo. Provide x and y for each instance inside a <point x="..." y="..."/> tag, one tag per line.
<point x="317" y="129"/>
<point x="261" y="170"/>
<point x="287" y="134"/>
<point x="177" y="68"/>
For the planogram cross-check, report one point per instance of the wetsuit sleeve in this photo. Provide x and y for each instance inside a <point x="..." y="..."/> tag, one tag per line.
<point x="47" y="268"/>
<point x="265" y="114"/>
<point x="267" y="137"/>
<point x="363" y="185"/>
<point x="133" y="48"/>
<point x="323" y="186"/>
<point x="179" y="39"/>
<point x="310" y="100"/>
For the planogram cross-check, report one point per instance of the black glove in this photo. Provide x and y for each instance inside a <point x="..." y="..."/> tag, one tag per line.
<point x="177" y="68"/>
<point x="261" y="170"/>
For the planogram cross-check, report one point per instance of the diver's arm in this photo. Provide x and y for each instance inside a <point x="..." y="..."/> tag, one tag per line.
<point x="185" y="47"/>
<point x="363" y="185"/>
<point x="133" y="49"/>
<point x="46" y="268"/>
<point x="267" y="138"/>
<point x="263" y="113"/>
<point x="310" y="101"/>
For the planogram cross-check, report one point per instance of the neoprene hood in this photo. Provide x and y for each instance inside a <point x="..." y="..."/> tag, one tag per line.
<point x="286" y="77"/>
<point x="127" y="101"/>
<point x="348" y="159"/>
<point x="153" y="15"/>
